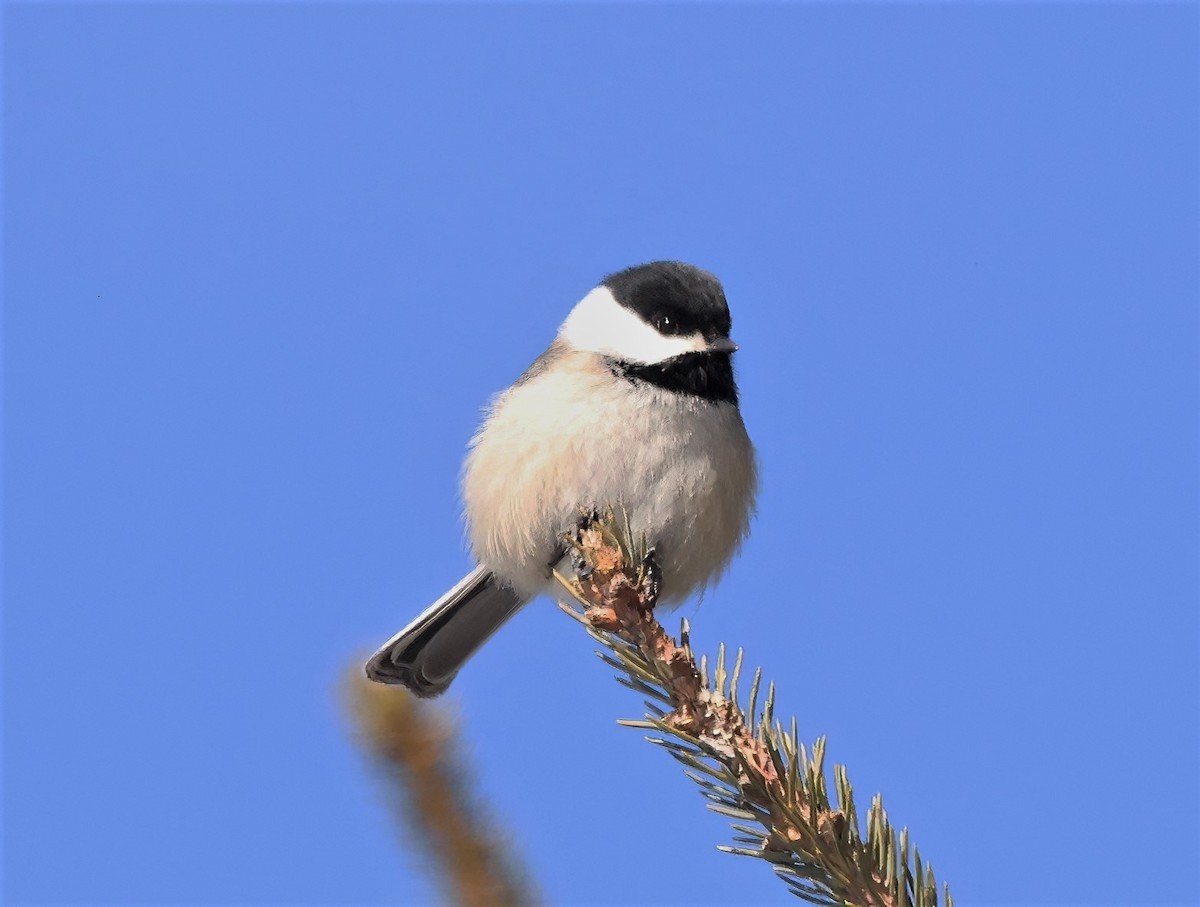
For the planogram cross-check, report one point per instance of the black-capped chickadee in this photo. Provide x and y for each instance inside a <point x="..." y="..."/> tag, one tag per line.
<point x="634" y="405"/>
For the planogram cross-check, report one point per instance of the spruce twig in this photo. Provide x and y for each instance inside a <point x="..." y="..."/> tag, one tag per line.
<point x="746" y="764"/>
<point x="416" y="749"/>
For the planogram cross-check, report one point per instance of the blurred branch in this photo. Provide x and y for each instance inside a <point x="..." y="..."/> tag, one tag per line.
<point x="747" y="765"/>
<point x="416" y="749"/>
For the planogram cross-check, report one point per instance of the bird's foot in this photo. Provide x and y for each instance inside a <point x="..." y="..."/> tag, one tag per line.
<point x="651" y="575"/>
<point x="588" y="518"/>
<point x="583" y="570"/>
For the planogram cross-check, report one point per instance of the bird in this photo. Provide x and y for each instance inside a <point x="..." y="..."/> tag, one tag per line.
<point x="633" y="406"/>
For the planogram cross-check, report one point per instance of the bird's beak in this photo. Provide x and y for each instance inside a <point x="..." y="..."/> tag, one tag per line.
<point x="722" y="345"/>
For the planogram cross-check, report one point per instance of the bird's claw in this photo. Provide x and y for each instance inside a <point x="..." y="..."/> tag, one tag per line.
<point x="587" y="519"/>
<point x="652" y="576"/>
<point x="583" y="570"/>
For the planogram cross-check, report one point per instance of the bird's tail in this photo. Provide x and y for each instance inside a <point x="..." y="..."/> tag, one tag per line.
<point x="426" y="654"/>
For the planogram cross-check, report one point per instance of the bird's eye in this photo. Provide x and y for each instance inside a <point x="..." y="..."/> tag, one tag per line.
<point x="662" y="322"/>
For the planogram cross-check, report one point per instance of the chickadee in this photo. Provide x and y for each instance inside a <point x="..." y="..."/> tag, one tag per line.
<point x="634" y="405"/>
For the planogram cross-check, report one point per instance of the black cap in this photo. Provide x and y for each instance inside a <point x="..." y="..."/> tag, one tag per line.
<point x="674" y="297"/>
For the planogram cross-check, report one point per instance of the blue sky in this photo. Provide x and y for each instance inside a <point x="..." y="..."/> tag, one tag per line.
<point x="263" y="264"/>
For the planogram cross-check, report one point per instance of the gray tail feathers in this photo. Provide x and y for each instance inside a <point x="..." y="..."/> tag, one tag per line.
<point x="426" y="654"/>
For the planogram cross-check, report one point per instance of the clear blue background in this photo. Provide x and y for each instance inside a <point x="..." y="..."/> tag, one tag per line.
<point x="263" y="265"/>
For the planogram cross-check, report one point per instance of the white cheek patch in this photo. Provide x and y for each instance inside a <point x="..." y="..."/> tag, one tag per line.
<point x="600" y="324"/>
